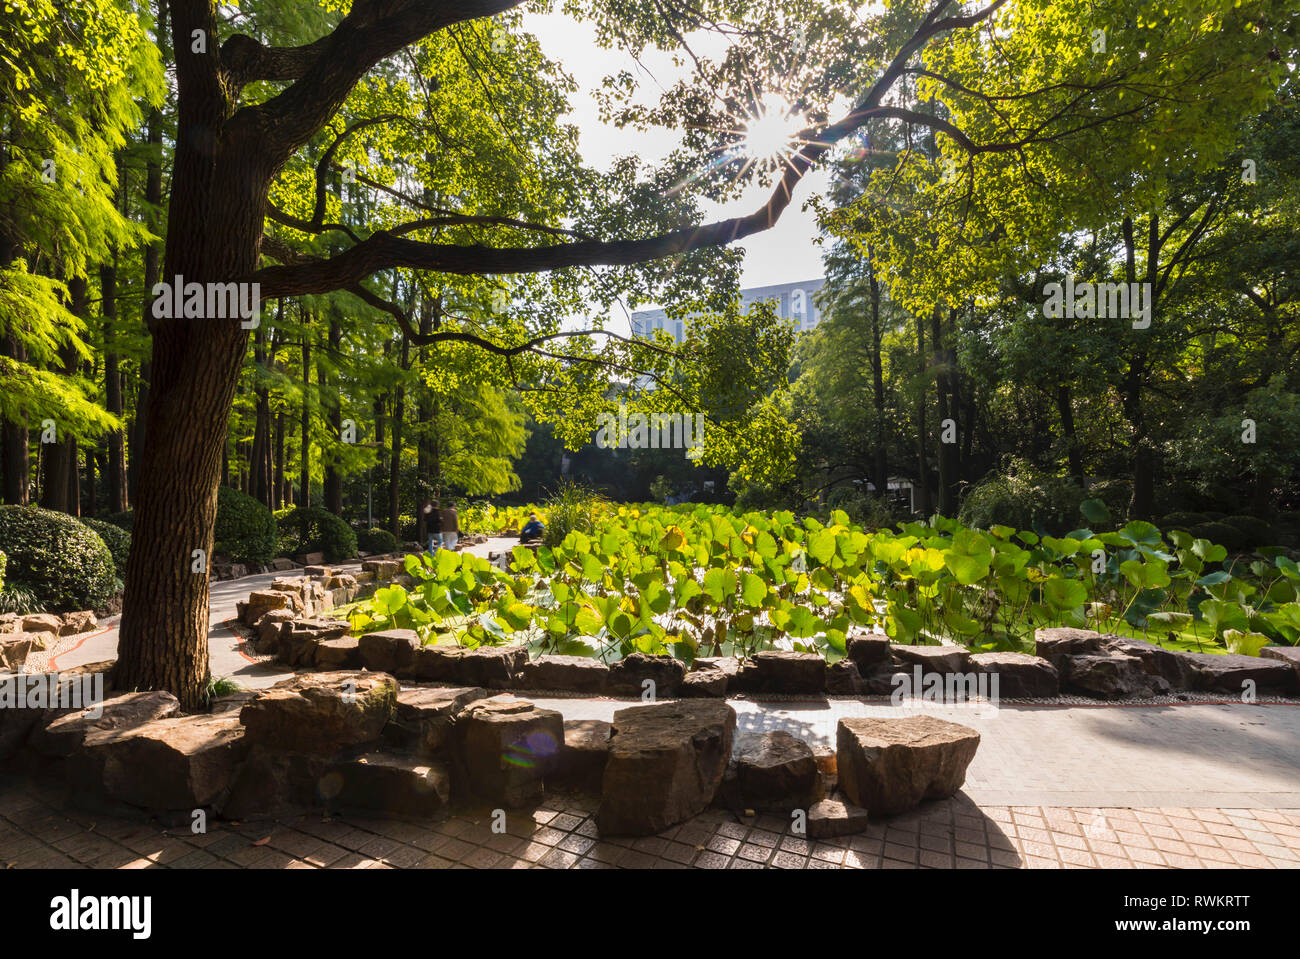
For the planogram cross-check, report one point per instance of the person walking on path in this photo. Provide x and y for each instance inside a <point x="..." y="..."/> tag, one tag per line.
<point x="432" y="521"/>
<point x="450" y="526"/>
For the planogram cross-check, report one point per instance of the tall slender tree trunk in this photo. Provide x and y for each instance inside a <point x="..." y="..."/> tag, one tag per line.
<point x="395" y="460"/>
<point x="304" y="498"/>
<point x="333" y="478"/>
<point x="881" y="451"/>
<point x="17" y="469"/>
<point x="922" y="440"/>
<point x="279" y="480"/>
<point x="116" y="440"/>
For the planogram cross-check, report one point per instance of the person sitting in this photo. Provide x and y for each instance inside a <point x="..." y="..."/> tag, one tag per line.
<point x="532" y="530"/>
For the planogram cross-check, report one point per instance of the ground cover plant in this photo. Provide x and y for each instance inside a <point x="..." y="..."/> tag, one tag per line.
<point x="706" y="580"/>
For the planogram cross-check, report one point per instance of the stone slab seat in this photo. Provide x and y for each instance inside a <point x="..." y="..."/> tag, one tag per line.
<point x="1230" y="672"/>
<point x="784" y="671"/>
<point x="933" y="659"/>
<point x="1057" y="644"/>
<point x="1286" y="654"/>
<point x="65" y="734"/>
<point x="888" y="766"/>
<point x="773" y="771"/>
<point x="496" y="667"/>
<point x="390" y="784"/>
<point x="321" y="713"/>
<point x="575" y="673"/>
<point x="423" y="719"/>
<point x="582" y="758"/>
<point x="1019" y="675"/>
<point x="629" y="675"/>
<point x="666" y="762"/>
<point x="176" y="764"/>
<point x="505" y="748"/>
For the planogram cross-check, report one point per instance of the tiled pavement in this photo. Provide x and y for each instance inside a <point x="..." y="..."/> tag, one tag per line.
<point x="38" y="830"/>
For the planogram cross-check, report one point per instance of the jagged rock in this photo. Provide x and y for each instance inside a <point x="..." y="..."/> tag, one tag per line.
<point x="232" y="702"/>
<point x="1228" y="673"/>
<point x="506" y="748"/>
<point x="576" y="673"/>
<point x="496" y="667"/>
<point x="868" y="650"/>
<point x="884" y="679"/>
<point x="1019" y="675"/>
<point x="269" y="628"/>
<point x="382" y="569"/>
<point x="782" y="671"/>
<point x="1286" y="654"/>
<point x="665" y="764"/>
<point x="16" y="647"/>
<point x="1057" y="644"/>
<point x="301" y="639"/>
<point x="262" y="601"/>
<point x="180" y="763"/>
<point x="80" y="622"/>
<point x="706" y="681"/>
<point x="830" y="817"/>
<point x="729" y="665"/>
<point x="66" y="734"/>
<point x="10" y="623"/>
<point x="317" y="571"/>
<point x="321" y="713"/>
<point x="341" y="653"/>
<point x="389" y="784"/>
<point x="42" y="623"/>
<point x="1112" y="676"/>
<point x="628" y="675"/>
<point x="282" y="564"/>
<point x="340" y="581"/>
<point x="309" y="559"/>
<point x="582" y="757"/>
<point x="934" y="659"/>
<point x="423" y="719"/>
<point x="269" y="783"/>
<point x="890" y="765"/>
<point x="389" y="650"/>
<point x="774" y="771"/>
<point x="845" y="679"/>
<point x="1174" y="667"/>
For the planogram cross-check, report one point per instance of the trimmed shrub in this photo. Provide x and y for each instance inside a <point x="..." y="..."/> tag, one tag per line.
<point x="1256" y="531"/>
<point x="124" y="520"/>
<point x="62" y="561"/>
<point x="246" y="531"/>
<point x="1221" y="534"/>
<point x="375" y="540"/>
<point x="314" y="530"/>
<point x="116" y="539"/>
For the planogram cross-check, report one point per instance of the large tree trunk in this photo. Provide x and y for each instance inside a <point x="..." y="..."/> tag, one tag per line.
<point x="1065" y="407"/>
<point x="214" y="229"/>
<point x="17" y="470"/>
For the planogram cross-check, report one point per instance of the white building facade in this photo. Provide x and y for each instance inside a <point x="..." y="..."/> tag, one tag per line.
<point x="792" y="301"/>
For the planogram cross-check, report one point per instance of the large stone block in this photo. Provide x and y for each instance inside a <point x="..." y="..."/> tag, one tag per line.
<point x="1019" y="675"/>
<point x="496" y="667"/>
<point x="321" y="713"/>
<point x="666" y="762"/>
<point x="933" y="659"/>
<point x="341" y="653"/>
<point x="389" y="650"/>
<point x="783" y="671"/>
<point x="582" y="758"/>
<point x="890" y="765"/>
<point x="628" y="677"/>
<point x="868" y="650"/>
<point x="1172" y="666"/>
<point x="774" y="772"/>
<point x="505" y="749"/>
<point x="575" y="673"/>
<point x="830" y="817"/>
<point x="66" y="734"/>
<point x="1230" y="672"/>
<point x="1057" y="644"/>
<point x="423" y="719"/>
<point x="1113" y="676"/>
<point x="177" y="764"/>
<point x="389" y="784"/>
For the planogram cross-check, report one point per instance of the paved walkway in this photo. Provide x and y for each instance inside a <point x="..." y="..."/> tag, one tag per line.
<point x="1051" y="786"/>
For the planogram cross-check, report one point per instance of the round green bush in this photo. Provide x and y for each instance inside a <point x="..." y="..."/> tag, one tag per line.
<point x="1221" y="534"/>
<point x="1183" y="521"/>
<point x="62" y="561"/>
<point x="1258" y="532"/>
<point x="116" y="539"/>
<point x="1024" y="497"/>
<point x="246" y="531"/>
<point x="375" y="540"/>
<point x="124" y="520"/>
<point x="315" y="530"/>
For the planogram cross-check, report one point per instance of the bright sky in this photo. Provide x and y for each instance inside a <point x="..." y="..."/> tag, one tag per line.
<point x="786" y="253"/>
